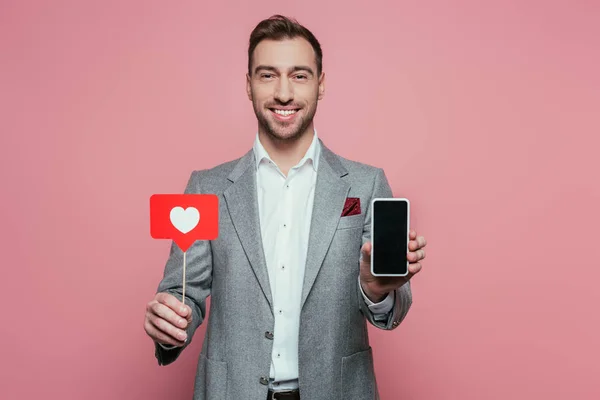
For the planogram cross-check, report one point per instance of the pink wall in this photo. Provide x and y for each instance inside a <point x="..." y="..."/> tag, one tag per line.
<point x="484" y="115"/>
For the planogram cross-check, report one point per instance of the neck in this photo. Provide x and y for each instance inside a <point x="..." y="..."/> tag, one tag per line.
<point x="287" y="153"/>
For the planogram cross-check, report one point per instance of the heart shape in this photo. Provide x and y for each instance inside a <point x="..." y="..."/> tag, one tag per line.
<point x="184" y="220"/>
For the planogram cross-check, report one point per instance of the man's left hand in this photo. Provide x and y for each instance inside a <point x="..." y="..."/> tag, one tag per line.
<point x="377" y="287"/>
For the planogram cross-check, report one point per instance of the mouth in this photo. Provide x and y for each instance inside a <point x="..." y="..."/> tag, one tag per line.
<point x="284" y="114"/>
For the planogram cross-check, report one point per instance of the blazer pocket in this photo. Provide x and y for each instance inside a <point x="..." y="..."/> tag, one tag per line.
<point x="351" y="221"/>
<point x="358" y="376"/>
<point x="211" y="380"/>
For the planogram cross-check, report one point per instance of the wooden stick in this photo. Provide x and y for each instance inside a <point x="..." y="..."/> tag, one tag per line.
<point x="183" y="295"/>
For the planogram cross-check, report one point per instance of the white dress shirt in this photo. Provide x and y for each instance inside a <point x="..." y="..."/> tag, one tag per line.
<point x="285" y="209"/>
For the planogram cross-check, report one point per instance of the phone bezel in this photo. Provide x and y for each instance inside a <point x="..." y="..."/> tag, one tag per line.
<point x="373" y="230"/>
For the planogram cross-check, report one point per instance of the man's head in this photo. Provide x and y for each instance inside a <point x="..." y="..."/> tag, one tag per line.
<point x="285" y="78"/>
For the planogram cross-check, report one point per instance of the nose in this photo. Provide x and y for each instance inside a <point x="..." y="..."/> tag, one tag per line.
<point x="284" y="92"/>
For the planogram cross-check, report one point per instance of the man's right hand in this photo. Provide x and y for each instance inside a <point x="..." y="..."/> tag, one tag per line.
<point x="166" y="320"/>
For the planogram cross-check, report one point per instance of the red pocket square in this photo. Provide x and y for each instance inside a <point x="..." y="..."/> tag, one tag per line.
<point x="351" y="207"/>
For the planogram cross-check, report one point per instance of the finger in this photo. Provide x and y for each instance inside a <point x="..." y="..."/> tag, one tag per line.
<point x="420" y="242"/>
<point x="168" y="315"/>
<point x="166" y="328"/>
<point x="415" y="256"/>
<point x="413" y="245"/>
<point x="414" y="268"/>
<point x="174" y="304"/>
<point x="412" y="256"/>
<point x="161" y="337"/>
<point x="412" y="235"/>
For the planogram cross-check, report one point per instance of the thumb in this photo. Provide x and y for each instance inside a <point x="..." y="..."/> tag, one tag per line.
<point x="187" y="314"/>
<point x="365" y="252"/>
<point x="188" y="311"/>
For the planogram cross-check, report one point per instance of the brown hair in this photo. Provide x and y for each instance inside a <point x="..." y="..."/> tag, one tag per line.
<point x="279" y="27"/>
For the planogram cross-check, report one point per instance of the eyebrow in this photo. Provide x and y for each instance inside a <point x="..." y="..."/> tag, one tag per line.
<point x="290" y="70"/>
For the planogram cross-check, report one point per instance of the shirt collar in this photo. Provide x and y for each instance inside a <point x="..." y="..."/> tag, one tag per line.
<point x="313" y="153"/>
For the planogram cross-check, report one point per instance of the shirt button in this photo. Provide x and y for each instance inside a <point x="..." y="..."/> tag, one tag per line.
<point x="283" y="267"/>
<point x="264" y="380"/>
<point x="269" y="335"/>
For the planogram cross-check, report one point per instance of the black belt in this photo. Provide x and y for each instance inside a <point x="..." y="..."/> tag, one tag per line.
<point x="284" y="395"/>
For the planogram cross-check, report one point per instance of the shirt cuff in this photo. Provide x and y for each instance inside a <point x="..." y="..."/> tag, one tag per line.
<point x="384" y="306"/>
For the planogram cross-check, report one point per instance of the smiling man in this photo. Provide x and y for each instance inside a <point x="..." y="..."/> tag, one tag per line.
<point x="289" y="275"/>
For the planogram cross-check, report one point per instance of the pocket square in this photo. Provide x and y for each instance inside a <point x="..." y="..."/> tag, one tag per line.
<point x="351" y="207"/>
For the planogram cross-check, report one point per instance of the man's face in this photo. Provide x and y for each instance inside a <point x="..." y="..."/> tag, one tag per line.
<point x="284" y="87"/>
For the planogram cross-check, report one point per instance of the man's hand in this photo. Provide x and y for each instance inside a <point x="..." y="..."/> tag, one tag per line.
<point x="166" y="319"/>
<point x="377" y="287"/>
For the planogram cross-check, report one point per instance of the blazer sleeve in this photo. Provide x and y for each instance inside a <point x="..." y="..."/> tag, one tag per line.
<point x="198" y="281"/>
<point x="403" y="298"/>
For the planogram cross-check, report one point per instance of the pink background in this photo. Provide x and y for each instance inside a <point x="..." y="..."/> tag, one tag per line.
<point x="484" y="115"/>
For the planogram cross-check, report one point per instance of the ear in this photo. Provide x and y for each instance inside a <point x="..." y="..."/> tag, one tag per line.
<point x="321" y="85"/>
<point x="248" y="87"/>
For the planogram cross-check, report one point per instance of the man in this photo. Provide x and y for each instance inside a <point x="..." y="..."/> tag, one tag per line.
<point x="289" y="275"/>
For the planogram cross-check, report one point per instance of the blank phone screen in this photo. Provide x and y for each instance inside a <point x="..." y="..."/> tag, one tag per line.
<point x="389" y="237"/>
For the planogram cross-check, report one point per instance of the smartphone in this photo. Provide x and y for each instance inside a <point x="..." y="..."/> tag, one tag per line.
<point x="390" y="225"/>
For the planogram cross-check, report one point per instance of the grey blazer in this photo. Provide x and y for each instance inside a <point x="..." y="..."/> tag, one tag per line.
<point x="335" y="358"/>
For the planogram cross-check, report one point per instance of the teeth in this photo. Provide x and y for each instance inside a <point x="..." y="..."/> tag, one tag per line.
<point x="285" y="112"/>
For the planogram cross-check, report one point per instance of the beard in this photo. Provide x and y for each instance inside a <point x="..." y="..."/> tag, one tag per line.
<point x="285" y="131"/>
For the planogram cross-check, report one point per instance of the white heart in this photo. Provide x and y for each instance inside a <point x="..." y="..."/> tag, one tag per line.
<point x="185" y="220"/>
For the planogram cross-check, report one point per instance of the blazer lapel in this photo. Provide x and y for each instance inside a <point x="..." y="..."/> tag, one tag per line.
<point x="242" y="203"/>
<point x="330" y="196"/>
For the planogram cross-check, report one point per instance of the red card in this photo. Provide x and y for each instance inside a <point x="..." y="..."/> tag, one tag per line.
<point x="184" y="218"/>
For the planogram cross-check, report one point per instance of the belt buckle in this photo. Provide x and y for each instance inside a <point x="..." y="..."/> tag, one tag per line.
<point x="273" y="393"/>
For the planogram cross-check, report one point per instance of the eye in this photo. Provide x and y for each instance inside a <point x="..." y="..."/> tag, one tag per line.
<point x="301" y="77"/>
<point x="266" y="76"/>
